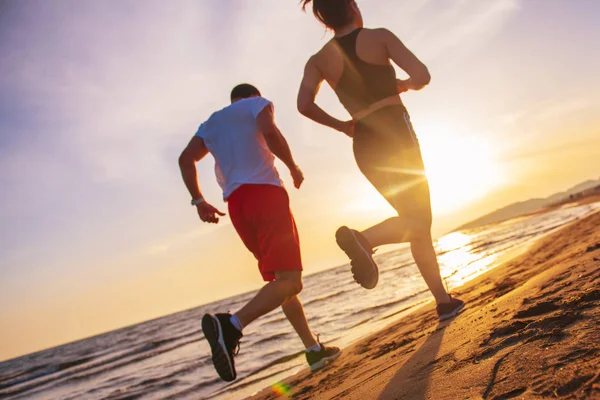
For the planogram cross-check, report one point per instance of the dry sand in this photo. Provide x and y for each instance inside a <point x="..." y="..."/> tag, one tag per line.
<point x="530" y="329"/>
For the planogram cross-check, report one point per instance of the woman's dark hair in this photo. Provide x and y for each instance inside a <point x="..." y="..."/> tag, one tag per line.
<point x="243" y="91"/>
<point x="332" y="13"/>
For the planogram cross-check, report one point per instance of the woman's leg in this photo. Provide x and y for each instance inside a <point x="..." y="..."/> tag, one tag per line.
<point x="409" y="194"/>
<point x="401" y="230"/>
<point x="392" y="230"/>
<point x="393" y="164"/>
<point x="423" y="252"/>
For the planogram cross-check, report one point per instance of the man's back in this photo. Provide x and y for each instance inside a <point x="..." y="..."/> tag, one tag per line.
<point x="240" y="151"/>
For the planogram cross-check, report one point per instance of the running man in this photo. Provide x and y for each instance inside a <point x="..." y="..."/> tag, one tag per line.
<point x="356" y="64"/>
<point x="244" y="139"/>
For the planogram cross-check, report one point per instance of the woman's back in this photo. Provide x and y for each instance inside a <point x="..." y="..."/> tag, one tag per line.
<point x="356" y="63"/>
<point x="357" y="67"/>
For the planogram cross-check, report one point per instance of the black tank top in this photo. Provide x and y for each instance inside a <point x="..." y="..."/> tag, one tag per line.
<point x="362" y="84"/>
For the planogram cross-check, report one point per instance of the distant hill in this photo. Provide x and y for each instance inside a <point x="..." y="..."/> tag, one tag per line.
<point x="529" y="206"/>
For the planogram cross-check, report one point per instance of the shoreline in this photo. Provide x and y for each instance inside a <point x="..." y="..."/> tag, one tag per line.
<point x="537" y="305"/>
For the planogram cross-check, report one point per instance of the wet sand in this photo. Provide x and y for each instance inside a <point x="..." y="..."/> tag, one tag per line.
<point x="530" y="329"/>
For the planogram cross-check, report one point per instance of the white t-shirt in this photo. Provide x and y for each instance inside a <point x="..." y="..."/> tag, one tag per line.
<point x="240" y="151"/>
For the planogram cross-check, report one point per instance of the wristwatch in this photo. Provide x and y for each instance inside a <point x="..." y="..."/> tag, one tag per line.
<point x="198" y="201"/>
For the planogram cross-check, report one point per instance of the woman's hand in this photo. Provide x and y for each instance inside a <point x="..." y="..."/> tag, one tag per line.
<point x="346" y="127"/>
<point x="403" y="85"/>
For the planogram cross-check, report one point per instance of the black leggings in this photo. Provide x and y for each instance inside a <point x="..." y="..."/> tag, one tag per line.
<point x="387" y="152"/>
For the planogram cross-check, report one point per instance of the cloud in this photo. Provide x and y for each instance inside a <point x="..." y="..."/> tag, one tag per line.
<point x="184" y="238"/>
<point x="444" y="30"/>
<point x="546" y="110"/>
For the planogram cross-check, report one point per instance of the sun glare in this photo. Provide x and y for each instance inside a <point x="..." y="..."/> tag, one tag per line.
<point x="460" y="168"/>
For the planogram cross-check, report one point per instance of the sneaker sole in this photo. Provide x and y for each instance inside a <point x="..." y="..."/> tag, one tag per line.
<point x="454" y="312"/>
<point x="347" y="241"/>
<point x="220" y="357"/>
<point x="324" y="361"/>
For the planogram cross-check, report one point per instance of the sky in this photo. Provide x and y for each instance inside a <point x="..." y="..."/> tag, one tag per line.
<point x="97" y="100"/>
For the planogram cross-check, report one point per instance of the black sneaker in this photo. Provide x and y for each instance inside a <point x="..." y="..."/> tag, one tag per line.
<point x="223" y="338"/>
<point x="450" y="309"/>
<point x="319" y="359"/>
<point x="354" y="244"/>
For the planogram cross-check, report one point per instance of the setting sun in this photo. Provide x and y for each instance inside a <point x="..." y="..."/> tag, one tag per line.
<point x="460" y="168"/>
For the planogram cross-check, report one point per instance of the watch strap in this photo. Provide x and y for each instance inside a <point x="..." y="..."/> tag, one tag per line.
<point x="198" y="201"/>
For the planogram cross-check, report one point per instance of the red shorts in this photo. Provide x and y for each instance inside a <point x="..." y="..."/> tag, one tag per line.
<point x="262" y="217"/>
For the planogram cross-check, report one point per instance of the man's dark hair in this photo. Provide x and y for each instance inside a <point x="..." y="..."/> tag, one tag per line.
<point x="243" y="91"/>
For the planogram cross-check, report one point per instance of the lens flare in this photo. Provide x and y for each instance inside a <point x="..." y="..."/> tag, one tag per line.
<point x="281" y="389"/>
<point x="401" y="187"/>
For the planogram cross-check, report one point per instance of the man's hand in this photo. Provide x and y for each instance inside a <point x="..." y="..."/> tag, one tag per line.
<point x="347" y="127"/>
<point x="208" y="213"/>
<point x="297" y="176"/>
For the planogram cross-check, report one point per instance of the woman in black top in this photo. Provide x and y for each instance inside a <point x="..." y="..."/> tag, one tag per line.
<point x="356" y="64"/>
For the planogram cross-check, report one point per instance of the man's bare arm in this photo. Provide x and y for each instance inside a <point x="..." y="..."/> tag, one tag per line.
<point x="277" y="143"/>
<point x="194" y="152"/>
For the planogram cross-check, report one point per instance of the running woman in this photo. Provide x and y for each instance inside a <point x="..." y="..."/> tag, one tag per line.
<point x="356" y="63"/>
<point x="243" y="138"/>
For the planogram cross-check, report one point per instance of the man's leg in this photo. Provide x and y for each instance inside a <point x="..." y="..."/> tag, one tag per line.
<point x="287" y="284"/>
<point x="223" y="331"/>
<point x="294" y="312"/>
<point x="317" y="355"/>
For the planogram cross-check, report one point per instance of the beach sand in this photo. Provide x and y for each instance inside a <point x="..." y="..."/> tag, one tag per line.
<point x="530" y="329"/>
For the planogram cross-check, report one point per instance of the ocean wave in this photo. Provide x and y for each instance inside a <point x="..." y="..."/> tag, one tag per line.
<point x="408" y="264"/>
<point x="359" y="323"/>
<point x="245" y="383"/>
<point x="42" y="371"/>
<point x="274" y="321"/>
<point x="272" y="338"/>
<point x="88" y="368"/>
<point x="387" y="305"/>
<point x="196" y="389"/>
<point x="403" y="309"/>
<point x="327" y="297"/>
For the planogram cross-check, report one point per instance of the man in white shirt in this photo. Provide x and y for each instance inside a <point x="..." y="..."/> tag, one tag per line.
<point x="244" y="140"/>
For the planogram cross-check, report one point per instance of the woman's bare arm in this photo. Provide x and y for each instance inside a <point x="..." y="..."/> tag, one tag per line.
<point x="311" y="83"/>
<point x="405" y="59"/>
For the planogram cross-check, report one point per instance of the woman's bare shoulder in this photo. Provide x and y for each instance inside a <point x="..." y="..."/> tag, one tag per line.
<point x="378" y="33"/>
<point x="325" y="53"/>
